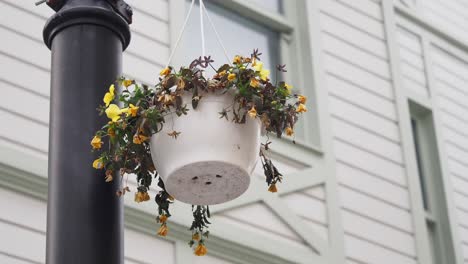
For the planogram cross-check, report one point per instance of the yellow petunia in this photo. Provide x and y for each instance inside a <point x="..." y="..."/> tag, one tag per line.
<point x="132" y="110"/>
<point x="237" y="59"/>
<point x="162" y="219"/>
<point x="273" y="188"/>
<point x="111" y="132"/>
<point x="302" y="99"/>
<point x="163" y="230"/>
<point x="109" y="96"/>
<point x="98" y="164"/>
<point x="254" y="83"/>
<point x="288" y="87"/>
<point x="258" y="66"/>
<point x="127" y="83"/>
<point x="141" y="197"/>
<point x="264" y="74"/>
<point x="113" y="112"/>
<point x="166" y="98"/>
<point x="196" y="236"/>
<point x="252" y="112"/>
<point x="200" y="250"/>
<point x="301" y="108"/>
<point x="231" y="76"/>
<point x="164" y="72"/>
<point x="289" y="131"/>
<point x="138" y="139"/>
<point x="96" y="142"/>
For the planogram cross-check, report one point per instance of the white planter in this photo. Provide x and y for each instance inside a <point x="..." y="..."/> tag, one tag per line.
<point x="210" y="162"/>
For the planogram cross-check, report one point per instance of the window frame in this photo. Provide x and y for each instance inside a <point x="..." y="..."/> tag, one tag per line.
<point x="428" y="161"/>
<point x="294" y="47"/>
<point x="431" y="35"/>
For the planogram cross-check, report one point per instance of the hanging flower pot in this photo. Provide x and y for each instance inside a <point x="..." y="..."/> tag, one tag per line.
<point x="198" y="137"/>
<point x="210" y="162"/>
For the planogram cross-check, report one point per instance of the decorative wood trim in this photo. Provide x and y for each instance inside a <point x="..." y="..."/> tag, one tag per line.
<point x="258" y="14"/>
<point x="420" y="227"/>
<point x="335" y="224"/>
<point x="448" y="189"/>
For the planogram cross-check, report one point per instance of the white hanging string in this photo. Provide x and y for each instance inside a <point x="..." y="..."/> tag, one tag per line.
<point x="216" y="33"/>
<point x="202" y="29"/>
<point x="180" y="34"/>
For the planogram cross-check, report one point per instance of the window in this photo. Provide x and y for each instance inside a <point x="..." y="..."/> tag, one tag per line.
<point x="264" y="24"/>
<point x="432" y="188"/>
<point x="239" y="35"/>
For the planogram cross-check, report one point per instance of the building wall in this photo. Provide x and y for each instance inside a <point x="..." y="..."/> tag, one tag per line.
<point x="375" y="209"/>
<point x="375" y="206"/>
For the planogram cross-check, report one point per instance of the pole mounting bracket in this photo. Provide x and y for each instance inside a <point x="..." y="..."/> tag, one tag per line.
<point x="119" y="6"/>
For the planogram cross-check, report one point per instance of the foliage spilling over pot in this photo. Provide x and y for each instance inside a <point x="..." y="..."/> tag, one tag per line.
<point x="123" y="143"/>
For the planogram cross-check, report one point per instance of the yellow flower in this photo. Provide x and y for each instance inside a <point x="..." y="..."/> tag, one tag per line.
<point x="166" y="98"/>
<point x="98" y="164"/>
<point x="254" y="83"/>
<point x="301" y="108"/>
<point x="237" y="59"/>
<point x="200" y="250"/>
<point x="196" y="236"/>
<point x="289" y="131"/>
<point x="272" y="188"/>
<point x="127" y="83"/>
<point x="96" y="142"/>
<point x="231" y="76"/>
<point x="302" y="99"/>
<point x="111" y="132"/>
<point x="264" y="74"/>
<point x="222" y="73"/>
<point x="132" y="110"/>
<point x="163" y="230"/>
<point x="254" y="62"/>
<point x="162" y="218"/>
<point x="180" y="83"/>
<point x="113" y="112"/>
<point x="164" y="72"/>
<point x="252" y="112"/>
<point x="109" y="96"/>
<point x="288" y="87"/>
<point x="258" y="67"/>
<point x="138" y="139"/>
<point x="141" y="197"/>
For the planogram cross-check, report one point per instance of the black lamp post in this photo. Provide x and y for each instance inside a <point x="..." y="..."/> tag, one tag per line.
<point x="84" y="217"/>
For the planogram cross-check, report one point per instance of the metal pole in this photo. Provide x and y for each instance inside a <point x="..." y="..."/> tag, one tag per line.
<point x="84" y="216"/>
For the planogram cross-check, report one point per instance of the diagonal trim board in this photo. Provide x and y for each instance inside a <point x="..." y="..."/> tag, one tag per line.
<point x="295" y="223"/>
<point x="142" y="219"/>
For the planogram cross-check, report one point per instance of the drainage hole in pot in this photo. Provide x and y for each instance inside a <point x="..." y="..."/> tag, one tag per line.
<point x="208" y="183"/>
<point x="218" y="176"/>
<point x="195" y="178"/>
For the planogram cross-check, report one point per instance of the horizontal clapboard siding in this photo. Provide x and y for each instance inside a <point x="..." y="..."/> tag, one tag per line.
<point x="23" y="53"/>
<point x="373" y="189"/>
<point x="412" y="65"/>
<point x="452" y="90"/>
<point x="25" y="224"/>
<point x="451" y="16"/>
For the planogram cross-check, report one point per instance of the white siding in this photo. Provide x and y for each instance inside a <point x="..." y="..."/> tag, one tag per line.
<point x="452" y="91"/>
<point x="25" y="79"/>
<point x="412" y="62"/>
<point x="27" y="227"/>
<point x="370" y="169"/>
<point x="23" y="53"/>
<point x="451" y="16"/>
